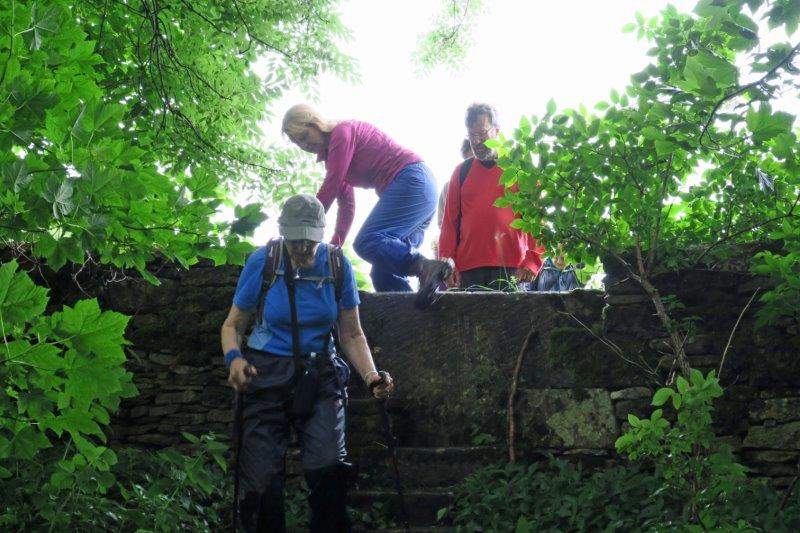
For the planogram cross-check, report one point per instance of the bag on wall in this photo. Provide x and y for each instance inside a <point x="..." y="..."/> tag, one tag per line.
<point x="553" y="279"/>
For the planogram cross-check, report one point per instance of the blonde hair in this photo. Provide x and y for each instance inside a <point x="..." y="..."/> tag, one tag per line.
<point x="300" y="116"/>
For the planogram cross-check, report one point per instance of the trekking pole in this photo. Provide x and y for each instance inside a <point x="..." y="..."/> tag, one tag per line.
<point x="392" y="445"/>
<point x="237" y="421"/>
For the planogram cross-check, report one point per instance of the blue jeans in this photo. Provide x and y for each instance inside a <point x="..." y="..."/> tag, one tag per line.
<point x="394" y="230"/>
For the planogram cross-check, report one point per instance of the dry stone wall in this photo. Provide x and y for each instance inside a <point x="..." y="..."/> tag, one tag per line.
<point x="453" y="364"/>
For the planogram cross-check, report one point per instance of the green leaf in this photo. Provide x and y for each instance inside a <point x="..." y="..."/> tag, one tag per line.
<point x="20" y="299"/>
<point x="664" y="147"/>
<point x="633" y="420"/>
<point x="249" y="218"/>
<point x="677" y="401"/>
<point x="629" y="27"/>
<point x="45" y="22"/>
<point x="662" y="395"/>
<point x="765" y="125"/>
<point x="551" y="106"/>
<point x="89" y="330"/>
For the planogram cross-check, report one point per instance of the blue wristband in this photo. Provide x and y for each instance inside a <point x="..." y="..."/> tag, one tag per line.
<point x="231" y="355"/>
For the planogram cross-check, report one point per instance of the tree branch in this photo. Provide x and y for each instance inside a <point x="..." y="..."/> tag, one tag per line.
<point x="747" y="87"/>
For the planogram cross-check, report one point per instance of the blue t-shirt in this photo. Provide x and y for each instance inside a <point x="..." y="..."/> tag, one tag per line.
<point x="317" y="311"/>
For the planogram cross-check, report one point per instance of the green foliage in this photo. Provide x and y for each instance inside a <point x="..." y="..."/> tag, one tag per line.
<point x="124" y="125"/>
<point x="660" y="169"/>
<point x="675" y="171"/>
<point x="559" y="496"/>
<point x="783" y="269"/>
<point x="153" y="491"/>
<point x="681" y="479"/>
<point x="686" y="453"/>
<point x="361" y="270"/>
<point x="62" y="376"/>
<point x="448" y="41"/>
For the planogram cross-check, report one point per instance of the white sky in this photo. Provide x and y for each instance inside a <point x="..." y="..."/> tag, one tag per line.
<point x="524" y="53"/>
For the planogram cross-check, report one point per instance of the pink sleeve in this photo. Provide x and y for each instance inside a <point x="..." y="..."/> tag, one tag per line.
<point x="346" y="202"/>
<point x="340" y="153"/>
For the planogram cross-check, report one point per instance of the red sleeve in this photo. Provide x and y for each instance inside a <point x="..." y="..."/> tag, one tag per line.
<point x="447" y="237"/>
<point x="533" y="256"/>
<point x="340" y="153"/>
<point x="346" y="203"/>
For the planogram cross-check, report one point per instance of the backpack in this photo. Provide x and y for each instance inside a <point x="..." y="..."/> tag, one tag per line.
<point x="272" y="269"/>
<point x="553" y="279"/>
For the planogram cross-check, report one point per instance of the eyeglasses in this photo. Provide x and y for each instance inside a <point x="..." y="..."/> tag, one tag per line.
<point x="479" y="136"/>
<point x="301" y="245"/>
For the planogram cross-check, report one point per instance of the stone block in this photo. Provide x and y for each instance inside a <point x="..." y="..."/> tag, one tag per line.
<point x="220" y="415"/>
<point x="641" y="408"/>
<point x="139" y="411"/>
<point x="567" y="419"/>
<point x="771" y="456"/>
<point x="175" y="397"/>
<point x="778" y="409"/>
<point x="161" y="410"/>
<point x="632" y="393"/>
<point x="163" y="358"/>
<point x="777" y="437"/>
<point x="153" y="439"/>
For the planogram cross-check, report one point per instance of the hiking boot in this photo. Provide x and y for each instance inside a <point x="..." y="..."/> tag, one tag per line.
<point x="431" y="274"/>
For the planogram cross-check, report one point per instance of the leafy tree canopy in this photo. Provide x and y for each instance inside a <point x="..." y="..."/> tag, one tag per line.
<point x="125" y="123"/>
<point x="690" y="158"/>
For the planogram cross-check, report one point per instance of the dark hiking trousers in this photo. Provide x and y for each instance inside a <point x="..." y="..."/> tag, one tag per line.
<point x="487" y="279"/>
<point x="265" y="430"/>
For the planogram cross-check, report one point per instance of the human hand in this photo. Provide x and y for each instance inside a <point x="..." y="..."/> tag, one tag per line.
<point x="240" y="374"/>
<point x="381" y="384"/>
<point x="525" y="275"/>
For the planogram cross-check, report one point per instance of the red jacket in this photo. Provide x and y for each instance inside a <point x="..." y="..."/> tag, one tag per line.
<point x="487" y="239"/>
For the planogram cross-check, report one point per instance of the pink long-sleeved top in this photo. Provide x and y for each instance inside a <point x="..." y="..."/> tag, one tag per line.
<point x="358" y="155"/>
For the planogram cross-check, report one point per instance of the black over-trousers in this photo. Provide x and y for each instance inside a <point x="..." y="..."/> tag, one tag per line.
<point x="265" y="426"/>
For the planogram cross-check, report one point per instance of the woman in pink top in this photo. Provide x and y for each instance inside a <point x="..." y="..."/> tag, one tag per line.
<point x="357" y="154"/>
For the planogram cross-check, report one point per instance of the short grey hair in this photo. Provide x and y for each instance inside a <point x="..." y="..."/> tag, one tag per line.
<point x="476" y="110"/>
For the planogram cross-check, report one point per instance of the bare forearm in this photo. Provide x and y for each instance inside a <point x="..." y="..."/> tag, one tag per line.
<point x="357" y="351"/>
<point x="231" y="338"/>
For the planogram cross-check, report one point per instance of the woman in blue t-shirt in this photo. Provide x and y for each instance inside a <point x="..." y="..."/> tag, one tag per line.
<point x="264" y="375"/>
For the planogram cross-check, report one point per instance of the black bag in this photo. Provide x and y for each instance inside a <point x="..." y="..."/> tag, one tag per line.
<point x="553" y="279"/>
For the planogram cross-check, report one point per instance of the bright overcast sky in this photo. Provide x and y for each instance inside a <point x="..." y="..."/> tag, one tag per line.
<point x="524" y="53"/>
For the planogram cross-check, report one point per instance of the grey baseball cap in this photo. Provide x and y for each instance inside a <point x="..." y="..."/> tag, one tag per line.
<point x="302" y="217"/>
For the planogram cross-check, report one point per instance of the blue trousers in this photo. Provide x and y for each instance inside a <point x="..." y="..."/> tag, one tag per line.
<point x="394" y="229"/>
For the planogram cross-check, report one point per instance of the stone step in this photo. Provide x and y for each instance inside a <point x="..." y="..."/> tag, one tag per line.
<point x="421" y="468"/>
<point x="433" y="529"/>
<point x="421" y="505"/>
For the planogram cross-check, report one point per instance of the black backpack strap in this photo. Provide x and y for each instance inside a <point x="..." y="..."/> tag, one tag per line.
<point x="288" y="277"/>
<point x="272" y="262"/>
<point x="463" y="171"/>
<point x="336" y="265"/>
